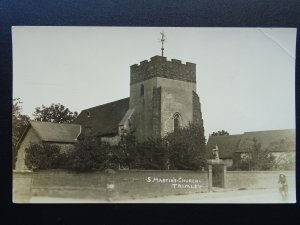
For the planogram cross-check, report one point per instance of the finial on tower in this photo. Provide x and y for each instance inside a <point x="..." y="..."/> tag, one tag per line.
<point x="163" y="39"/>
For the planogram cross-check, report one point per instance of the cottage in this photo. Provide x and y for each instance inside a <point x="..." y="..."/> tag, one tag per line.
<point x="64" y="135"/>
<point x="280" y="143"/>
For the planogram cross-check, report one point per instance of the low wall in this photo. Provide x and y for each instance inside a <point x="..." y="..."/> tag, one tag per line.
<point x="132" y="184"/>
<point x="123" y="184"/>
<point x="22" y="183"/>
<point x="257" y="179"/>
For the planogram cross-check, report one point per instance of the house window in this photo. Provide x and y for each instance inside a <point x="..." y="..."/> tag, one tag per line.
<point x="142" y="90"/>
<point x="88" y="114"/>
<point x="176" y="119"/>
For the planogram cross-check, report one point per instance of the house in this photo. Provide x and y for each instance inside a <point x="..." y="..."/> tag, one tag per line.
<point x="280" y="143"/>
<point x="63" y="135"/>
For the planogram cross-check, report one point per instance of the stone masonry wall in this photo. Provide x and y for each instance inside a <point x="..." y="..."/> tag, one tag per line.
<point x="257" y="179"/>
<point x="197" y="114"/>
<point x="176" y="97"/>
<point x="125" y="184"/>
<point x="158" y="66"/>
<point x="156" y="112"/>
<point x="132" y="184"/>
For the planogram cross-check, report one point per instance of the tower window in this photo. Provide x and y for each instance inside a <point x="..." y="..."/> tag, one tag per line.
<point x="142" y="90"/>
<point x="176" y="118"/>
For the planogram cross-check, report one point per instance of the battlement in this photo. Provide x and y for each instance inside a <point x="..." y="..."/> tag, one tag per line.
<point x="158" y="66"/>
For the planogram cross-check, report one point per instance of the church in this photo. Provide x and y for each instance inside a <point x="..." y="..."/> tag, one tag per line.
<point x="162" y="98"/>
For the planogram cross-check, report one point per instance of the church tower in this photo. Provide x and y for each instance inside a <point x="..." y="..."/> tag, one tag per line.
<point x="163" y="97"/>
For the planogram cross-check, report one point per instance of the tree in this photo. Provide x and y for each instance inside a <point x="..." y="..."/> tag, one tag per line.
<point x="19" y="123"/>
<point x="220" y="133"/>
<point x="86" y="156"/>
<point x="257" y="159"/>
<point x="56" y="113"/>
<point x="187" y="148"/>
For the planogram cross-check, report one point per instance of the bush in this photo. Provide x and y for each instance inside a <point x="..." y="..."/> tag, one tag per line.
<point x="44" y="156"/>
<point x="183" y="149"/>
<point x="186" y="148"/>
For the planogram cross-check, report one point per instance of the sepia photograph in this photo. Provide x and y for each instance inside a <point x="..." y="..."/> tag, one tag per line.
<point x="153" y="115"/>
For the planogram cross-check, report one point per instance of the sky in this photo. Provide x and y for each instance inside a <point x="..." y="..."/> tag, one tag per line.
<point x="245" y="76"/>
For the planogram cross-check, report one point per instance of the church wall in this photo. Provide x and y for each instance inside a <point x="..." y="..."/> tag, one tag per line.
<point x="143" y="107"/>
<point x="31" y="137"/>
<point x="177" y="96"/>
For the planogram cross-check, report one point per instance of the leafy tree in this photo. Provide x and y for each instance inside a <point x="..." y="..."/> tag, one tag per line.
<point x="262" y="159"/>
<point x="220" y="133"/>
<point x="19" y="123"/>
<point x="56" y="113"/>
<point x="86" y="155"/>
<point x="187" y="148"/>
<point x="154" y="154"/>
<point x="90" y="154"/>
<point x="44" y="156"/>
<point x="183" y="149"/>
<point x="128" y="148"/>
<point x="258" y="159"/>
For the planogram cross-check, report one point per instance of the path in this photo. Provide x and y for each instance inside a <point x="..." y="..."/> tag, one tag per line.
<point x="237" y="196"/>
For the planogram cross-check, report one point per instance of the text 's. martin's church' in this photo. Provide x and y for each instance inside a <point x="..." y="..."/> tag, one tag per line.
<point x="162" y="98"/>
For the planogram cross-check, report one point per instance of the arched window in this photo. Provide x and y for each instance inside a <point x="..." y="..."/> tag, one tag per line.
<point x="176" y="119"/>
<point x="142" y="90"/>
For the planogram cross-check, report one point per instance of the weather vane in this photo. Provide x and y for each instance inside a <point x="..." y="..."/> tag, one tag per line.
<point x="163" y="39"/>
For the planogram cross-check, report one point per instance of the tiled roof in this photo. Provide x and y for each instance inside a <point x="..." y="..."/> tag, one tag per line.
<point x="227" y="145"/>
<point x="56" y="132"/>
<point x="103" y="119"/>
<point x="273" y="140"/>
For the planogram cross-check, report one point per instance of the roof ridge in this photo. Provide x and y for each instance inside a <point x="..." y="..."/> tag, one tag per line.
<point x="106" y="103"/>
<point x="269" y="130"/>
<point x="47" y="122"/>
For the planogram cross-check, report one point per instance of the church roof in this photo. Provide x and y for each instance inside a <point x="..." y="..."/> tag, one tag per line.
<point x="54" y="132"/>
<point x="272" y="140"/>
<point x="103" y="120"/>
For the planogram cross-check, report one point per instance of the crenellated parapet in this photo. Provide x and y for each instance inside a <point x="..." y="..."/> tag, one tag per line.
<point x="158" y="66"/>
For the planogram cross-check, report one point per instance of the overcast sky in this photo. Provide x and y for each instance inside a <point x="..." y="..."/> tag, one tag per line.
<point x="245" y="76"/>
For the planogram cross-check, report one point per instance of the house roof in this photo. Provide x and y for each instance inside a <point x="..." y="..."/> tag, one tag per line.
<point x="227" y="145"/>
<point x="54" y="132"/>
<point x="272" y="140"/>
<point x="103" y="119"/>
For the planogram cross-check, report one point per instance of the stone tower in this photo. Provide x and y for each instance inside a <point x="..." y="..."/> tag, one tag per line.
<point x="163" y="96"/>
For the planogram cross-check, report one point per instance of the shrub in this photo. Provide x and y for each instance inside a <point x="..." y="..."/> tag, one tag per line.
<point x="186" y="148"/>
<point x="44" y="156"/>
<point x="90" y="154"/>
